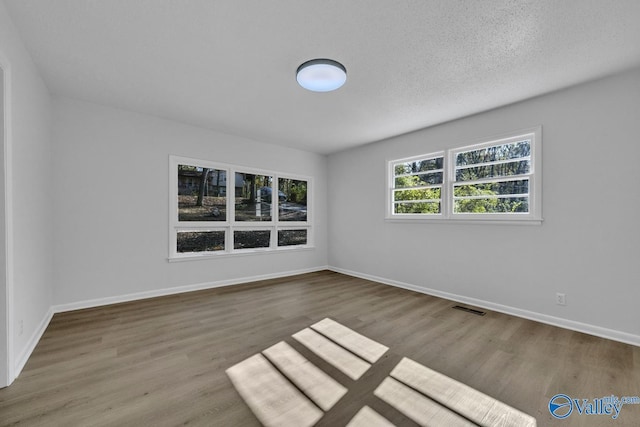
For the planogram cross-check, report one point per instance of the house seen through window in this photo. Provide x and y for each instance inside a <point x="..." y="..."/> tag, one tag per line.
<point x="223" y="209"/>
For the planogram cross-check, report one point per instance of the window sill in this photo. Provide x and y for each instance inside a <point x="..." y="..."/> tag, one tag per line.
<point x="449" y="221"/>
<point x="237" y="253"/>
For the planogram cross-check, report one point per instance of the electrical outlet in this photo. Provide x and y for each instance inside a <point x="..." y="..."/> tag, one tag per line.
<point x="20" y="327"/>
<point x="561" y="299"/>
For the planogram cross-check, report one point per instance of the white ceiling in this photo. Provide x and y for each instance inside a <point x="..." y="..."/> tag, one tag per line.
<point x="229" y="65"/>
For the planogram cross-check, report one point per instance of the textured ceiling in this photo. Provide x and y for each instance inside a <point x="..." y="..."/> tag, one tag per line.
<point x="229" y="65"/>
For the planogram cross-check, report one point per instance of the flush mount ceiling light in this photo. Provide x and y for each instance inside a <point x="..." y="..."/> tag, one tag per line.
<point x="321" y="75"/>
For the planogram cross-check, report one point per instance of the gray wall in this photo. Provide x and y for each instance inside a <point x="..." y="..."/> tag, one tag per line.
<point x="587" y="247"/>
<point x="111" y="215"/>
<point x="28" y="199"/>
<point x="4" y="359"/>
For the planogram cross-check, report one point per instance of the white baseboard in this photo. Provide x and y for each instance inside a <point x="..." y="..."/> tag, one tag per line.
<point x="37" y="335"/>
<point x="31" y="344"/>
<point x="78" y="305"/>
<point x="538" y="317"/>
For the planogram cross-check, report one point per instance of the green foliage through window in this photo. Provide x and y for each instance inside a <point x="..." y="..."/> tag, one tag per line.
<point x="422" y="194"/>
<point x="419" y="186"/>
<point x="488" y="192"/>
<point x="417" y="208"/>
<point x="490" y="179"/>
<point x="496" y="153"/>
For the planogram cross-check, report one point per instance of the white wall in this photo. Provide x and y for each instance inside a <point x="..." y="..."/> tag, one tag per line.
<point x="588" y="246"/>
<point x="28" y="202"/>
<point x="111" y="210"/>
<point x="4" y="309"/>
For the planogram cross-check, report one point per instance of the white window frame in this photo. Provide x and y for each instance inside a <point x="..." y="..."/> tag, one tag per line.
<point x="392" y="189"/>
<point x="534" y="216"/>
<point x="229" y="225"/>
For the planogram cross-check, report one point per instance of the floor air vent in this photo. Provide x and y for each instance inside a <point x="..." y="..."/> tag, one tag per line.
<point x="469" y="310"/>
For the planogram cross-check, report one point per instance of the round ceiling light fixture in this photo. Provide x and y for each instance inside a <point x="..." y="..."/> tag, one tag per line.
<point x="321" y="75"/>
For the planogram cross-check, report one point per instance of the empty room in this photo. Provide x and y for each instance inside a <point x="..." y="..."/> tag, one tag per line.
<point x="330" y="213"/>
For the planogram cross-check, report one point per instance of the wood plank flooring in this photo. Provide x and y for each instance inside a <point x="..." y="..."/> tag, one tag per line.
<point x="162" y="361"/>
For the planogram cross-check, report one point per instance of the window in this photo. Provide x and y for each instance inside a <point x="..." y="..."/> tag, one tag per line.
<point x="224" y="209"/>
<point x="493" y="180"/>
<point x="253" y="197"/>
<point x="417" y="185"/>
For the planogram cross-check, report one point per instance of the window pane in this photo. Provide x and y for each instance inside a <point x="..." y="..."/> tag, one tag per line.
<point x="292" y="237"/>
<point x="201" y="194"/>
<point x="492" y="205"/>
<point x="417" y="208"/>
<point x="433" y="178"/>
<point x="200" y="241"/>
<point x="491" y="171"/>
<point x="493" y="179"/>
<point x="251" y="239"/>
<point x="292" y="198"/>
<point x="419" y="166"/>
<point x="253" y="197"/>
<point x="513" y="150"/>
<point x="423" y="194"/>
<point x="493" y="188"/>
